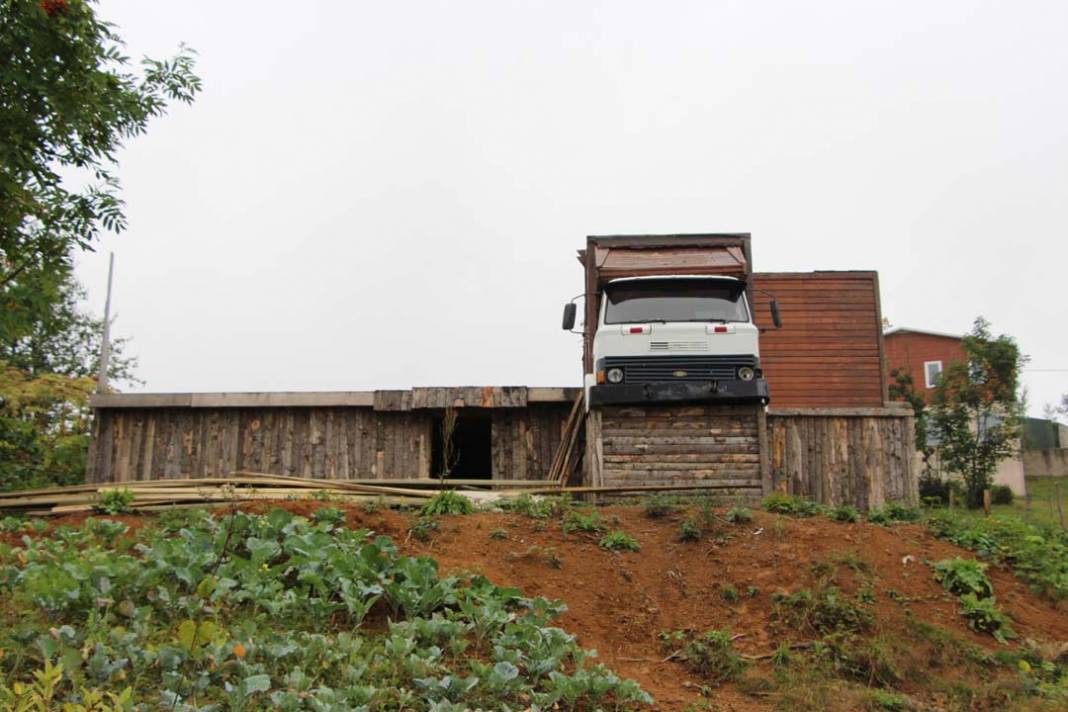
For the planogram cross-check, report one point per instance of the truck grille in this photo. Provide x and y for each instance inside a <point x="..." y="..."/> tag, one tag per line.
<point x="660" y="346"/>
<point x="661" y="369"/>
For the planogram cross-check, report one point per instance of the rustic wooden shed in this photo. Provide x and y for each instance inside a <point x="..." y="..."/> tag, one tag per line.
<point x="502" y="433"/>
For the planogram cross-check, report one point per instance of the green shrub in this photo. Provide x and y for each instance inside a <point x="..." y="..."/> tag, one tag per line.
<point x="983" y="615"/>
<point x="712" y="656"/>
<point x="961" y="576"/>
<point x="729" y="593"/>
<point x="447" y="502"/>
<point x="115" y="501"/>
<point x="845" y="513"/>
<point x="782" y="503"/>
<point x="894" y="512"/>
<point x="619" y="541"/>
<point x="1001" y="494"/>
<point x="658" y="506"/>
<point x="739" y="515"/>
<point x="690" y="530"/>
<point x="590" y="521"/>
<point x="499" y="534"/>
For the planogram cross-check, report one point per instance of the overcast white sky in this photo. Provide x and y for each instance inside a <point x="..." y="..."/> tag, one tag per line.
<point x="373" y="195"/>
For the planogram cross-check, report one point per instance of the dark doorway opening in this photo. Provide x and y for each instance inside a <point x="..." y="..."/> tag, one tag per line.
<point x="472" y="442"/>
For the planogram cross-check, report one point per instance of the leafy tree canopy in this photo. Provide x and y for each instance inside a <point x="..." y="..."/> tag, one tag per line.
<point x="976" y="410"/>
<point x="68" y="101"/>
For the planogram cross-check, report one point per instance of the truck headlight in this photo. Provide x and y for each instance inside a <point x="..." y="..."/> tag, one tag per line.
<point x="746" y="374"/>
<point x="614" y="375"/>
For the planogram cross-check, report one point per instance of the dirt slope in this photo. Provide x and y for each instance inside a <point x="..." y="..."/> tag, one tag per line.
<point x="619" y="602"/>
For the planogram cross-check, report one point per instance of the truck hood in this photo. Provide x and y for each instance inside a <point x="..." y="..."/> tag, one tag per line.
<point x="675" y="338"/>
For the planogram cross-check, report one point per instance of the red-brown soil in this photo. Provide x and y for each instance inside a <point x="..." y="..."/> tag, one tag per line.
<point x="619" y="602"/>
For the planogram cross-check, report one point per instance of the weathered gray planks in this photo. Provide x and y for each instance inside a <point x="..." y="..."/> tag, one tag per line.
<point x="335" y="442"/>
<point x="861" y="458"/>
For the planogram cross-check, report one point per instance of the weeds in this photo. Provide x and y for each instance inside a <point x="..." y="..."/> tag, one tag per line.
<point x="423" y="528"/>
<point x="499" y="534"/>
<point x="739" y="515"/>
<point x="537" y="507"/>
<point x="372" y="506"/>
<point x="712" y="656"/>
<point x="115" y="501"/>
<point x="782" y="503"/>
<point x="690" y="530"/>
<point x="729" y="593"/>
<point x="960" y="576"/>
<point x="894" y="512"/>
<point x="984" y="616"/>
<point x="591" y="521"/>
<point x="1037" y="554"/>
<point x="825" y="611"/>
<point x="845" y="513"/>
<point x="658" y="506"/>
<point x="447" y="502"/>
<point x="619" y="541"/>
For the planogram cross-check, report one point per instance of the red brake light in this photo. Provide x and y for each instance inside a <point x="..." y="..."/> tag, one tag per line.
<point x="636" y="330"/>
<point x="720" y="330"/>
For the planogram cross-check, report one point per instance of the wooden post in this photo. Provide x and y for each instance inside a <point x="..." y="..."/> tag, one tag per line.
<point x="765" y="458"/>
<point x="951" y="498"/>
<point x="986" y="502"/>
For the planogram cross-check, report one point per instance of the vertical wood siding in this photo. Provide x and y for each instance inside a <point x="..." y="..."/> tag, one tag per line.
<point x="863" y="459"/>
<point x="829" y="352"/>
<point x="321" y="442"/>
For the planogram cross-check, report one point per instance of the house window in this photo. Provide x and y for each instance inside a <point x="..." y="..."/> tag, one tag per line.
<point x="932" y="373"/>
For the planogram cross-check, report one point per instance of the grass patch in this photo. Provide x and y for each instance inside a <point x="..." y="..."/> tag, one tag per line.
<point x="447" y="502"/>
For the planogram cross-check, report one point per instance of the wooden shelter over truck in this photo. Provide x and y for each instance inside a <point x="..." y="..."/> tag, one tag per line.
<point x="830" y="432"/>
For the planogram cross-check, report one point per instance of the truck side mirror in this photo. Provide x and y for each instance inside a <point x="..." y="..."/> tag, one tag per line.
<point x="569" y="316"/>
<point x="776" y="318"/>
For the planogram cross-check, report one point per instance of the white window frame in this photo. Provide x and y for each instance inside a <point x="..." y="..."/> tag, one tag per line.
<point x="927" y="382"/>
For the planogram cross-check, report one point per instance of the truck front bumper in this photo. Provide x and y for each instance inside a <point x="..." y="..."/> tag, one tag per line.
<point x="725" y="391"/>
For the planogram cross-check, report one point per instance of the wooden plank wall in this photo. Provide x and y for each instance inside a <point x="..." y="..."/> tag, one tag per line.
<point x="829" y="352"/>
<point x="677" y="445"/>
<point x="861" y="457"/>
<point x="525" y="440"/>
<point x="322" y="442"/>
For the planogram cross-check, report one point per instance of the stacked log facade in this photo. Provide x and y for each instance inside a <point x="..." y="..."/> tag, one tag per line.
<point x="704" y="445"/>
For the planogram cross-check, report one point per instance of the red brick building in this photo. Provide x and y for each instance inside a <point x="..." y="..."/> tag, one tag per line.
<point x="924" y="354"/>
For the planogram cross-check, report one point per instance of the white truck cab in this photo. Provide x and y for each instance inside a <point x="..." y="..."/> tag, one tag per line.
<point x="669" y="338"/>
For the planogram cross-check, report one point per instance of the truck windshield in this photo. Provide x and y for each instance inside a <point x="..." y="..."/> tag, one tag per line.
<point x="675" y="300"/>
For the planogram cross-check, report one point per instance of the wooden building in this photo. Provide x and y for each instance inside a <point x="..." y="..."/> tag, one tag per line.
<point x="830" y="432"/>
<point x="922" y="355"/>
<point x="501" y="433"/>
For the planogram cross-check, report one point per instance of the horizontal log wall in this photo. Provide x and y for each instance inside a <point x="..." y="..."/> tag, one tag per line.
<point x="859" y="457"/>
<point x="322" y="442"/>
<point x="677" y="445"/>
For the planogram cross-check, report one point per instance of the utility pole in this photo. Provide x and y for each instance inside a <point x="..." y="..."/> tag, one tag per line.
<point x="105" y="343"/>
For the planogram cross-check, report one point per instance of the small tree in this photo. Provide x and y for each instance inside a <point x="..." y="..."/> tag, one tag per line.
<point x="976" y="411"/>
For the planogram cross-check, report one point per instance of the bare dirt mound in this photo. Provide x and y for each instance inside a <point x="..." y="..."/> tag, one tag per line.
<point x="618" y="603"/>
